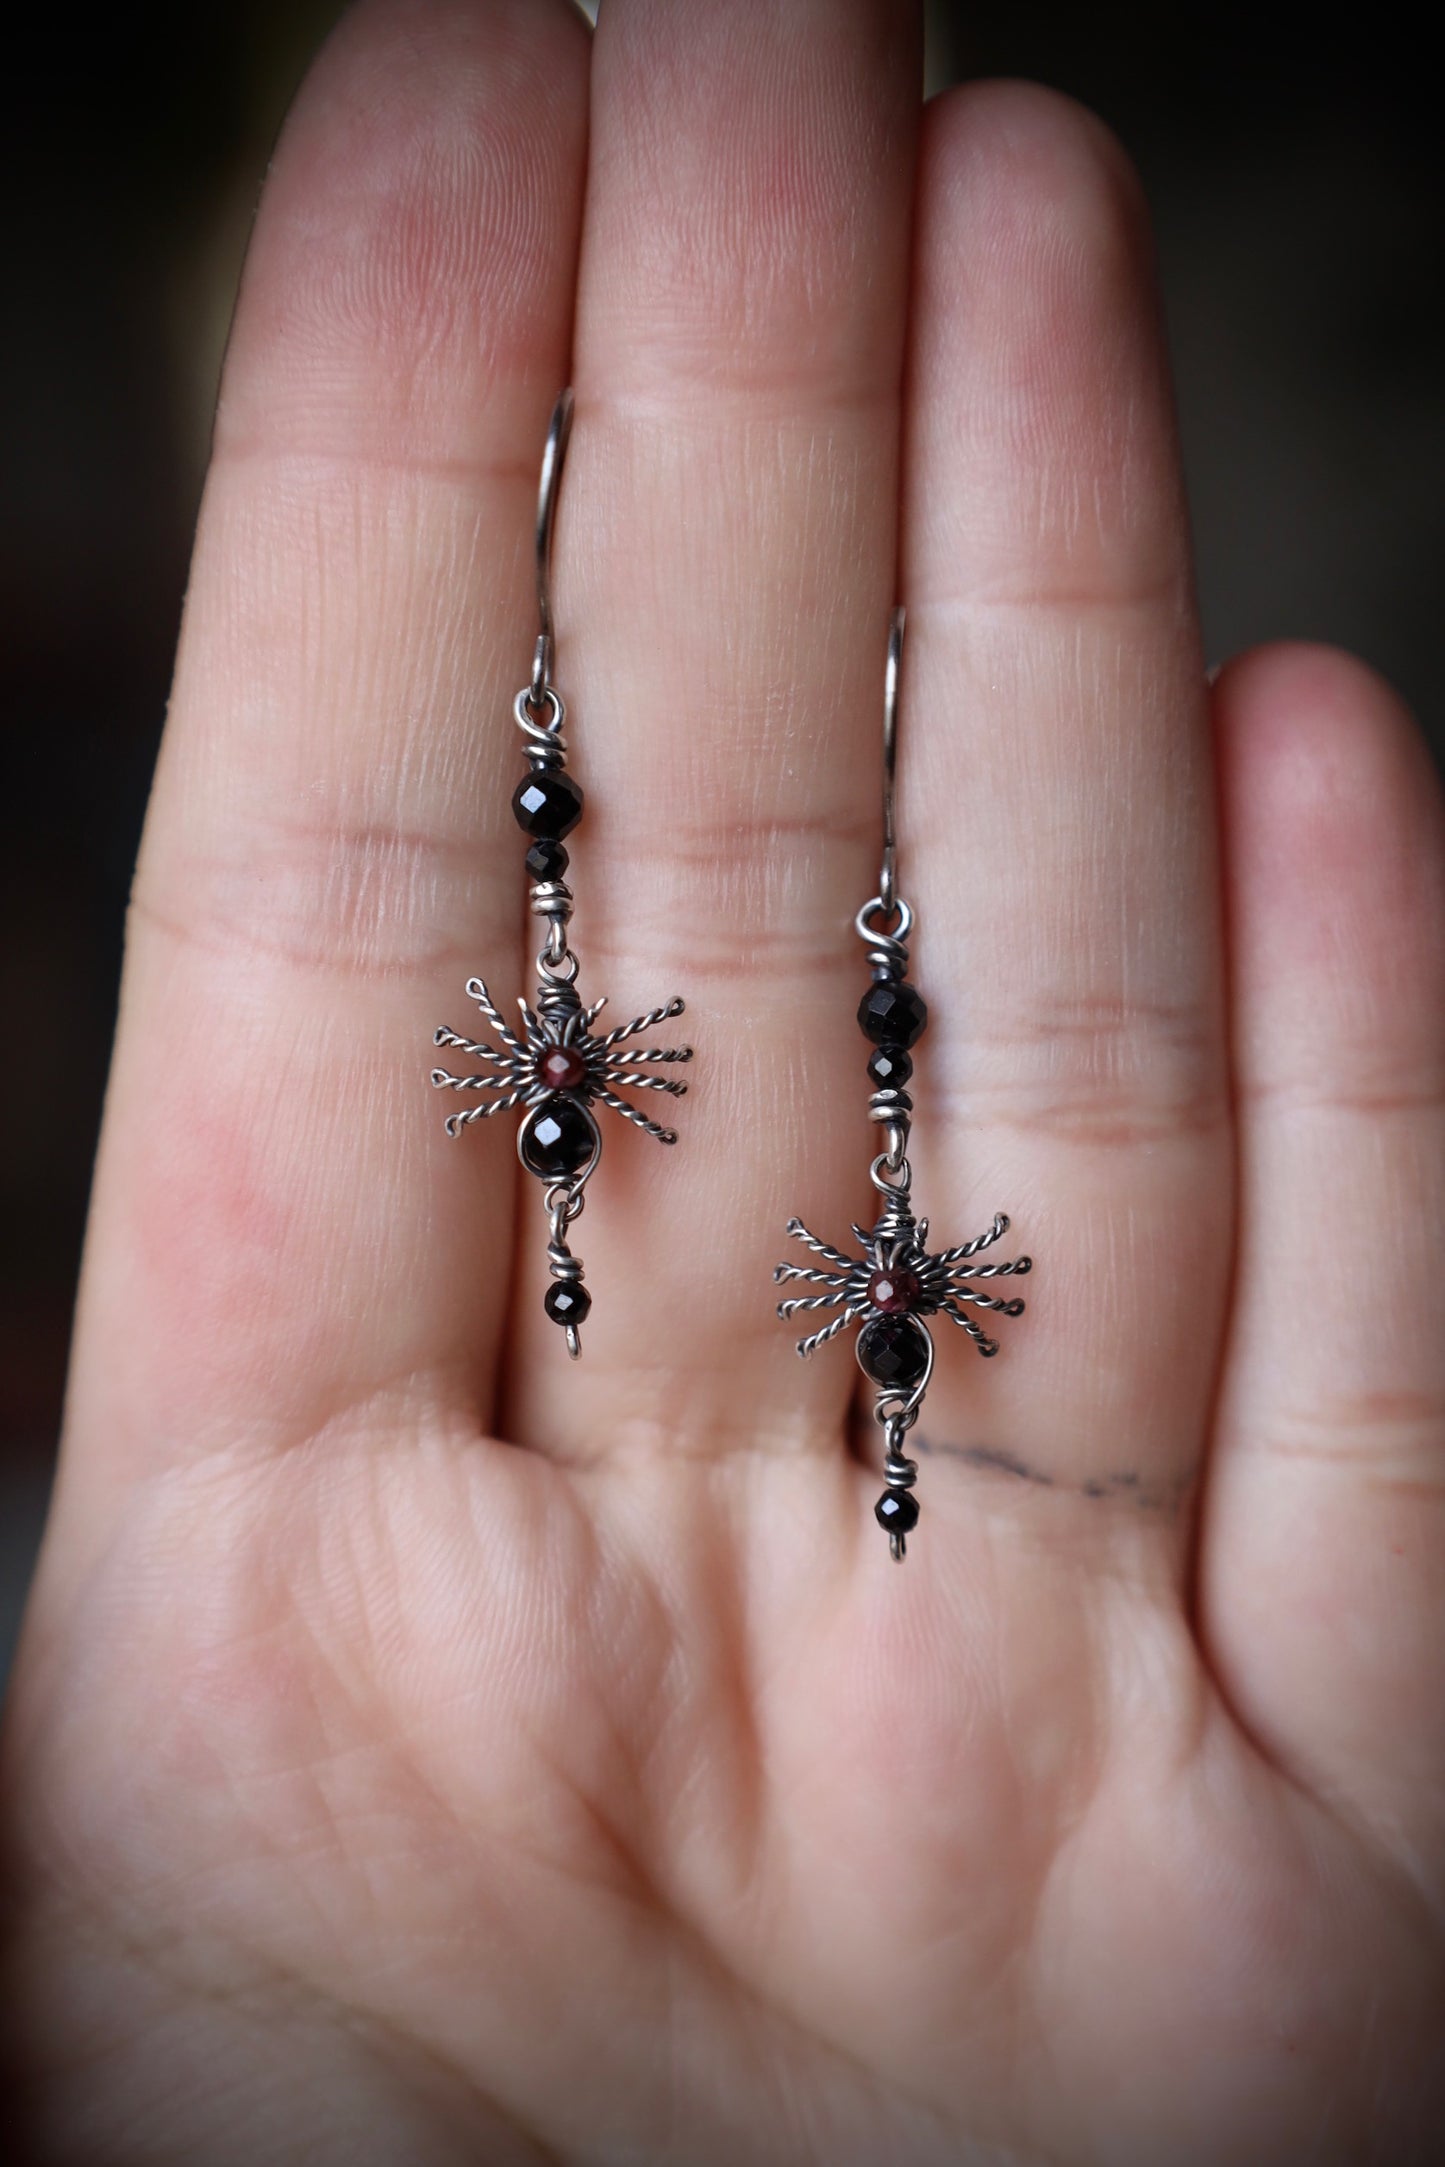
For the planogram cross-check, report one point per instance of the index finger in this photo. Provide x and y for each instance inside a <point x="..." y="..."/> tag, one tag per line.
<point x="282" y="1234"/>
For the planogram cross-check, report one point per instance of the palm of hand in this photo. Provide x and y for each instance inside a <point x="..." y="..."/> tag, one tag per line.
<point x="384" y="1791"/>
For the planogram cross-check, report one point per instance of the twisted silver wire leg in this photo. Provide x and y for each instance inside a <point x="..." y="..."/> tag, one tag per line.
<point x="455" y="1123"/>
<point x="980" y="1338"/>
<point x="444" y="1036"/>
<point x="782" y="1272"/>
<point x="673" y="1007"/>
<point x="797" y="1302"/>
<point x="651" y="1053"/>
<point x="632" y="1082"/>
<point x="829" y="1331"/>
<point x="1014" y="1308"/>
<point x="444" y="1080"/>
<point x="799" y="1232"/>
<point x="477" y="992"/>
<point x="995" y="1233"/>
<point x="992" y="1271"/>
<point x="636" y="1117"/>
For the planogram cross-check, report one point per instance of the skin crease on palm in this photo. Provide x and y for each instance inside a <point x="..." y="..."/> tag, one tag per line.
<point x="427" y="1750"/>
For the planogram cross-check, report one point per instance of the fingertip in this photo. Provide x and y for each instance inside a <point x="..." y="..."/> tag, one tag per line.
<point x="1037" y="359"/>
<point x="1039" y="155"/>
<point x="1292" y="690"/>
<point x="1326" y="778"/>
<point x="1335" y="860"/>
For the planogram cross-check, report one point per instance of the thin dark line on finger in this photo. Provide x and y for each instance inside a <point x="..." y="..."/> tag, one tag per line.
<point x="993" y="1457"/>
<point x="1125" y="1486"/>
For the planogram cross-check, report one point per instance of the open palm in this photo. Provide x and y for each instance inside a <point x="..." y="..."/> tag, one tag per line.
<point x="379" y="1790"/>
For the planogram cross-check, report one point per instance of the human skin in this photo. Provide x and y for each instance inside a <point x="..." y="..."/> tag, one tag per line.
<point x="427" y="1750"/>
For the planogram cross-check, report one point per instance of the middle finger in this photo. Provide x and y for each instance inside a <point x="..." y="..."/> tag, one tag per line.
<point x="1059" y="833"/>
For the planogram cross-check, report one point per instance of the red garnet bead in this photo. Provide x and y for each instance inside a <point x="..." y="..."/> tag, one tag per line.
<point x="894" y="1293"/>
<point x="561" y="1068"/>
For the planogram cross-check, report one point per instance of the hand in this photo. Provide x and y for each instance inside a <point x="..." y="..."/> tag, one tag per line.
<point x="382" y="1792"/>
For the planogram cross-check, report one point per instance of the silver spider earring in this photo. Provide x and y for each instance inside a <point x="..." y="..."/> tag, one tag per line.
<point x="557" y="1069"/>
<point x="894" y="1283"/>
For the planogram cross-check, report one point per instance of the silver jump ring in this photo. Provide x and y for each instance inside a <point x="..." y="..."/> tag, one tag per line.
<point x="891" y="1180"/>
<point x="562" y="971"/>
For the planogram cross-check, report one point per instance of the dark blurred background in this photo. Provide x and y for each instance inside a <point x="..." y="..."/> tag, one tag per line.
<point x="1295" y="178"/>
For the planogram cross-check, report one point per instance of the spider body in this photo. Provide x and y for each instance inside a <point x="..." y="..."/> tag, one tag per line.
<point x="559" y="1071"/>
<point x="893" y="1283"/>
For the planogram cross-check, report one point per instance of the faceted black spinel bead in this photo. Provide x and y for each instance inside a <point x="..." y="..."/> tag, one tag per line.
<point x="548" y="804"/>
<point x="897" y="1511"/>
<point x="557" y="1140"/>
<point x="568" y="1302"/>
<point x="890" y="1067"/>
<point x="892" y="1013"/>
<point x="893" y="1352"/>
<point x="546" y="860"/>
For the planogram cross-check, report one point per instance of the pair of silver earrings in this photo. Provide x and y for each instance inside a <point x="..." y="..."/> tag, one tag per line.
<point x="559" y="1070"/>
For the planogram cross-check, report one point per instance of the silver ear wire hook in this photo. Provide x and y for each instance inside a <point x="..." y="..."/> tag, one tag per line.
<point x="888" y="877"/>
<point x="553" y="454"/>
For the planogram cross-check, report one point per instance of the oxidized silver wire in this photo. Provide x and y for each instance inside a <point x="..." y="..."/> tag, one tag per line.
<point x="892" y="672"/>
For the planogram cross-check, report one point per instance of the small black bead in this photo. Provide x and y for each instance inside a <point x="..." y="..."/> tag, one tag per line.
<point x="548" y="804"/>
<point x="893" y="1351"/>
<point x="546" y="860"/>
<point x="890" y="1067"/>
<point x="567" y="1302"/>
<point x="892" y="1013"/>
<point x="557" y="1139"/>
<point x="897" y="1510"/>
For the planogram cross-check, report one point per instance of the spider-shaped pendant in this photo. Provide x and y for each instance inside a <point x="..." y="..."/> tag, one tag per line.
<point x="891" y="1287"/>
<point x="558" y="1070"/>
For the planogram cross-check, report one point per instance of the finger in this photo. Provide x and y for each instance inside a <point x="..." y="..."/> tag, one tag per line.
<point x="1057" y="827"/>
<point x="1323" y="1559"/>
<point x="726" y="544"/>
<point x="282" y="1232"/>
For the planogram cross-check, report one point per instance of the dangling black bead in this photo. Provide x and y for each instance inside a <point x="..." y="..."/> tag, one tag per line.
<point x="548" y="804"/>
<point x="897" y="1511"/>
<point x="546" y="860"/>
<point x="568" y="1302"/>
<point x="893" y="1013"/>
<point x="889" y="1068"/>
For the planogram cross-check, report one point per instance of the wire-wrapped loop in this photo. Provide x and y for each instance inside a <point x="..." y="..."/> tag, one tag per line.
<point x="890" y="1179"/>
<point x="887" y="948"/>
<point x="546" y="744"/>
<point x="557" y="962"/>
